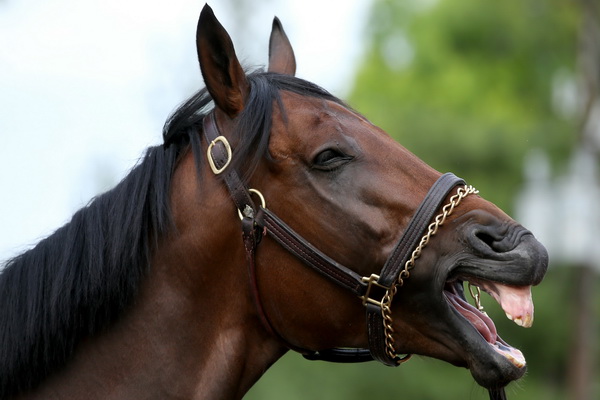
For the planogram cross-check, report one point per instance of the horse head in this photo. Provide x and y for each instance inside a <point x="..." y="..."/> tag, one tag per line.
<point x="347" y="189"/>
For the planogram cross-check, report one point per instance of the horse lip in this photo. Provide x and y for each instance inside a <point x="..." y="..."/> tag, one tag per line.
<point x="488" y="366"/>
<point x="525" y="264"/>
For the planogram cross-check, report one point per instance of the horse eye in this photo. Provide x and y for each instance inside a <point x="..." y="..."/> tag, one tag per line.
<point x="329" y="159"/>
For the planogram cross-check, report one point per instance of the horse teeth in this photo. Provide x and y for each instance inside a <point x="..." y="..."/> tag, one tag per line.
<point x="526" y="322"/>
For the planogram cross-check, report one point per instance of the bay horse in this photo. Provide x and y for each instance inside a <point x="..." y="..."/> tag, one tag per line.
<point x="273" y="217"/>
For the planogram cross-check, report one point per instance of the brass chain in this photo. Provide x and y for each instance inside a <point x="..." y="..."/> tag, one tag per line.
<point x="386" y="303"/>
<point x="476" y="295"/>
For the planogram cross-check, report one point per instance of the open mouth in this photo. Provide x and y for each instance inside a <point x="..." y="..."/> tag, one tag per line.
<point x="515" y="301"/>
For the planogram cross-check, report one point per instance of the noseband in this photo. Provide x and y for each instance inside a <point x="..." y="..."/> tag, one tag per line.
<point x="260" y="221"/>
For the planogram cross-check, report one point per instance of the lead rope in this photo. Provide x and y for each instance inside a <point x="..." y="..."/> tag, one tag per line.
<point x="497" y="394"/>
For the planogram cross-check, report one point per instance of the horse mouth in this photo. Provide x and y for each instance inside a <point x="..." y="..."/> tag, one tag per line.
<point x="515" y="301"/>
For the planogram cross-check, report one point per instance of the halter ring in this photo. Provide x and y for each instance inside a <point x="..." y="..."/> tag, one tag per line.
<point x="248" y="211"/>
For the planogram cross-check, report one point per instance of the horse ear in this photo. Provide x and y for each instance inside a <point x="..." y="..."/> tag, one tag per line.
<point x="223" y="75"/>
<point x="281" y="54"/>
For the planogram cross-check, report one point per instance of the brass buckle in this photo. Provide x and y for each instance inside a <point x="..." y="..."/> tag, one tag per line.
<point x="211" y="161"/>
<point x="370" y="281"/>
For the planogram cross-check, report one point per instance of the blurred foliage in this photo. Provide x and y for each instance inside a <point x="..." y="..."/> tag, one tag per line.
<point x="469" y="86"/>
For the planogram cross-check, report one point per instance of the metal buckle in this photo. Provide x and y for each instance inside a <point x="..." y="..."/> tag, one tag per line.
<point x="370" y="281"/>
<point x="211" y="161"/>
<point x="248" y="211"/>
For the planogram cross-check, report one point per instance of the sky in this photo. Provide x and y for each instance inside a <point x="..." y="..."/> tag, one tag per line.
<point x="86" y="86"/>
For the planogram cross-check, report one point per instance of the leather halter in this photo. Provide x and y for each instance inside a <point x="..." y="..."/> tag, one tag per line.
<point x="260" y="221"/>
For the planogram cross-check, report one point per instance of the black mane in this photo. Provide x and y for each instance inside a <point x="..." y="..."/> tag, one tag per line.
<point x="78" y="281"/>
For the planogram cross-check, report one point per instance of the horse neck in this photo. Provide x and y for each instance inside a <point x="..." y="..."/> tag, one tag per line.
<point x="206" y="290"/>
<point x="193" y="331"/>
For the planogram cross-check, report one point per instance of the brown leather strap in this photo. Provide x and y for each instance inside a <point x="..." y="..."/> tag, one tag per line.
<point x="250" y="244"/>
<point x="400" y="255"/>
<point x="340" y="355"/>
<point x="312" y="256"/>
<point x="237" y="189"/>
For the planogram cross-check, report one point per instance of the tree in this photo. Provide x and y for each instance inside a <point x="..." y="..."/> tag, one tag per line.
<point x="471" y="86"/>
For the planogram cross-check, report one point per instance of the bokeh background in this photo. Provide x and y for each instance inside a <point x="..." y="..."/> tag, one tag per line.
<point x="505" y="94"/>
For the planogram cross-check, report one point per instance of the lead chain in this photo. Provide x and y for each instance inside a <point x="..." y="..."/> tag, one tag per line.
<point x="432" y="229"/>
<point x="476" y="295"/>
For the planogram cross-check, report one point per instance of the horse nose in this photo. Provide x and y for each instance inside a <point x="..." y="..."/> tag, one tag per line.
<point x="525" y="259"/>
<point x="496" y="238"/>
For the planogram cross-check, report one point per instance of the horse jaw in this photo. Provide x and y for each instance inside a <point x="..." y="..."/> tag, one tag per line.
<point x="484" y="247"/>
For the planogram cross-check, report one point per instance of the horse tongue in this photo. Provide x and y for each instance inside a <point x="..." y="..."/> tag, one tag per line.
<point x="479" y="320"/>
<point x="516" y="303"/>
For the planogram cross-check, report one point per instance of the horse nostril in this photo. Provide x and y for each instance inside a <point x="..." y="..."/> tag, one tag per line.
<point x="499" y="239"/>
<point x="486" y="238"/>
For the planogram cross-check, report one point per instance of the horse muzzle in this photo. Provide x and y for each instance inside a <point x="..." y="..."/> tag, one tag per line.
<point x="504" y="260"/>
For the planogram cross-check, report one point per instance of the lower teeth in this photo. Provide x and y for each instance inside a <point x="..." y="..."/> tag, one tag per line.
<point x="511" y="354"/>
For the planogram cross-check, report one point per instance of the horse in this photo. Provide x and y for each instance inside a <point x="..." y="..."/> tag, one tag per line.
<point x="273" y="217"/>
